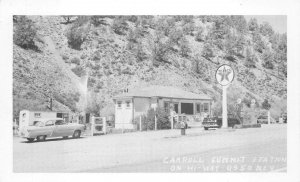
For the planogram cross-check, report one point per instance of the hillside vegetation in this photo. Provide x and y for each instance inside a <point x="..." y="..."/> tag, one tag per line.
<point x="53" y="54"/>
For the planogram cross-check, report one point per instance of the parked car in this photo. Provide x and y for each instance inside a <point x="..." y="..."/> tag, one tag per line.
<point x="216" y="122"/>
<point x="262" y="119"/>
<point x="52" y="127"/>
<point x="284" y="117"/>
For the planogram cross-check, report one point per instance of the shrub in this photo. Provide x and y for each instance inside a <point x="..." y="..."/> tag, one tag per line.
<point x="148" y="120"/>
<point x="199" y="35"/>
<point x="68" y="100"/>
<point x="176" y="35"/>
<point x="165" y="25"/>
<point x="253" y="25"/>
<point x="83" y="56"/>
<point x="184" y="47"/>
<point x="160" y="49"/>
<point x="120" y="26"/>
<point x="25" y="32"/>
<point x="132" y="18"/>
<point x="98" y="20"/>
<point x="65" y="57"/>
<point x="240" y="23"/>
<point x="128" y="71"/>
<point x="96" y="56"/>
<point x="207" y="51"/>
<point x="219" y="30"/>
<point x="247" y="102"/>
<point x="75" y="60"/>
<point x="268" y="65"/>
<point x="230" y="48"/>
<point x="145" y="22"/>
<point x="141" y="53"/>
<point x="188" y="29"/>
<point x="239" y="45"/>
<point x="67" y="18"/>
<point x="266" y="29"/>
<point x="266" y="105"/>
<point x="187" y="19"/>
<point x="82" y="20"/>
<point x="268" y="60"/>
<point x="76" y="35"/>
<point x="250" y="59"/>
<point x="100" y="85"/>
<point x="79" y="71"/>
<point x="259" y="45"/>
<point x="132" y="37"/>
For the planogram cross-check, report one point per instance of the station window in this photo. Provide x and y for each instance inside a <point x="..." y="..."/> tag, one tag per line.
<point x="37" y="115"/>
<point x="206" y="107"/>
<point x="119" y="104"/>
<point x="187" y="108"/>
<point x="167" y="106"/>
<point x="127" y="104"/>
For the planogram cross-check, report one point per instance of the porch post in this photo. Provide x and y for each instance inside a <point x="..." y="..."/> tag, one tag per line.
<point x="210" y="111"/>
<point x="104" y="125"/>
<point x="179" y="107"/>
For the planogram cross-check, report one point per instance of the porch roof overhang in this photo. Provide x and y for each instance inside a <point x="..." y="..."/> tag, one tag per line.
<point x="162" y="92"/>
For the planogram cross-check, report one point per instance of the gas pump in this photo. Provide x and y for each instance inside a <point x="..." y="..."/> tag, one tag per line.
<point x="98" y="125"/>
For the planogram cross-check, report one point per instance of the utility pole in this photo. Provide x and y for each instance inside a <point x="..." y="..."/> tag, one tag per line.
<point x="49" y="103"/>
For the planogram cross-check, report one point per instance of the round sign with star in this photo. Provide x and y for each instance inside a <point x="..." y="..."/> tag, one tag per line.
<point x="224" y="75"/>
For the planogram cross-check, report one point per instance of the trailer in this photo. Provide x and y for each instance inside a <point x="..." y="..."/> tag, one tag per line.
<point x="29" y="118"/>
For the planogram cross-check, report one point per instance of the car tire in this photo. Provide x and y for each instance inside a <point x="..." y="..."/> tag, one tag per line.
<point x="65" y="137"/>
<point x="30" y="139"/>
<point x="41" y="138"/>
<point x="205" y="128"/>
<point x="76" y="134"/>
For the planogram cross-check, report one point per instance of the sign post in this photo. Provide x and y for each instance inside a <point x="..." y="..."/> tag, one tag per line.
<point x="224" y="108"/>
<point x="224" y="76"/>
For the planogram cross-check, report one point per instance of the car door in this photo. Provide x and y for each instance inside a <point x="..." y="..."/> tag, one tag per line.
<point x="49" y="128"/>
<point x="62" y="129"/>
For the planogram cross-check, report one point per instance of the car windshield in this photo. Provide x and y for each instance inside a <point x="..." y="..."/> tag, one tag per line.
<point x="38" y="123"/>
<point x="59" y="122"/>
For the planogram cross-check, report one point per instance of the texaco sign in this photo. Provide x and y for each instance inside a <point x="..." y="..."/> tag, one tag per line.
<point x="224" y="75"/>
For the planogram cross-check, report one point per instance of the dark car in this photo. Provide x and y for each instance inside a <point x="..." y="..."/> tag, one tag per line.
<point x="216" y="122"/>
<point x="284" y="117"/>
<point x="262" y="119"/>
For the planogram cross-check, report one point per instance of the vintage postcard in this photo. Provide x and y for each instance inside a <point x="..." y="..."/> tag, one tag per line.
<point x="151" y="93"/>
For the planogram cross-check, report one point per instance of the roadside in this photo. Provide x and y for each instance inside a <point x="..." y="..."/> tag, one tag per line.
<point x="110" y="151"/>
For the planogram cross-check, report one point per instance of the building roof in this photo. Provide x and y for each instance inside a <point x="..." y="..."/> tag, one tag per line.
<point x="163" y="91"/>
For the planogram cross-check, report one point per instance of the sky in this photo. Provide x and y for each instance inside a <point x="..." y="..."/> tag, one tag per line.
<point x="278" y="22"/>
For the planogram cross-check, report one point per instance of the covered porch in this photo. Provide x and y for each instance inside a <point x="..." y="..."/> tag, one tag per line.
<point x="188" y="107"/>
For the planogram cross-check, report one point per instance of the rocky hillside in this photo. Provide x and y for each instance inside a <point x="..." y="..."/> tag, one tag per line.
<point x="83" y="61"/>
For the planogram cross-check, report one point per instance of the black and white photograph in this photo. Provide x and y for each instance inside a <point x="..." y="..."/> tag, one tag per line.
<point x="147" y="93"/>
<point x="180" y="93"/>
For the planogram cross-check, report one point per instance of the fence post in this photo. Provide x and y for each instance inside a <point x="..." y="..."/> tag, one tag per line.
<point x="140" y="123"/>
<point x="269" y="118"/>
<point x="155" y="122"/>
<point x="92" y="125"/>
<point x="104" y="125"/>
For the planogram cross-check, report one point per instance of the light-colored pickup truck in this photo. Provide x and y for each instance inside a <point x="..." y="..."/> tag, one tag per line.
<point x="52" y="127"/>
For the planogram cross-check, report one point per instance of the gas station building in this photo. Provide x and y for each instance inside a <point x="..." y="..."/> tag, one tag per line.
<point x="135" y="103"/>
